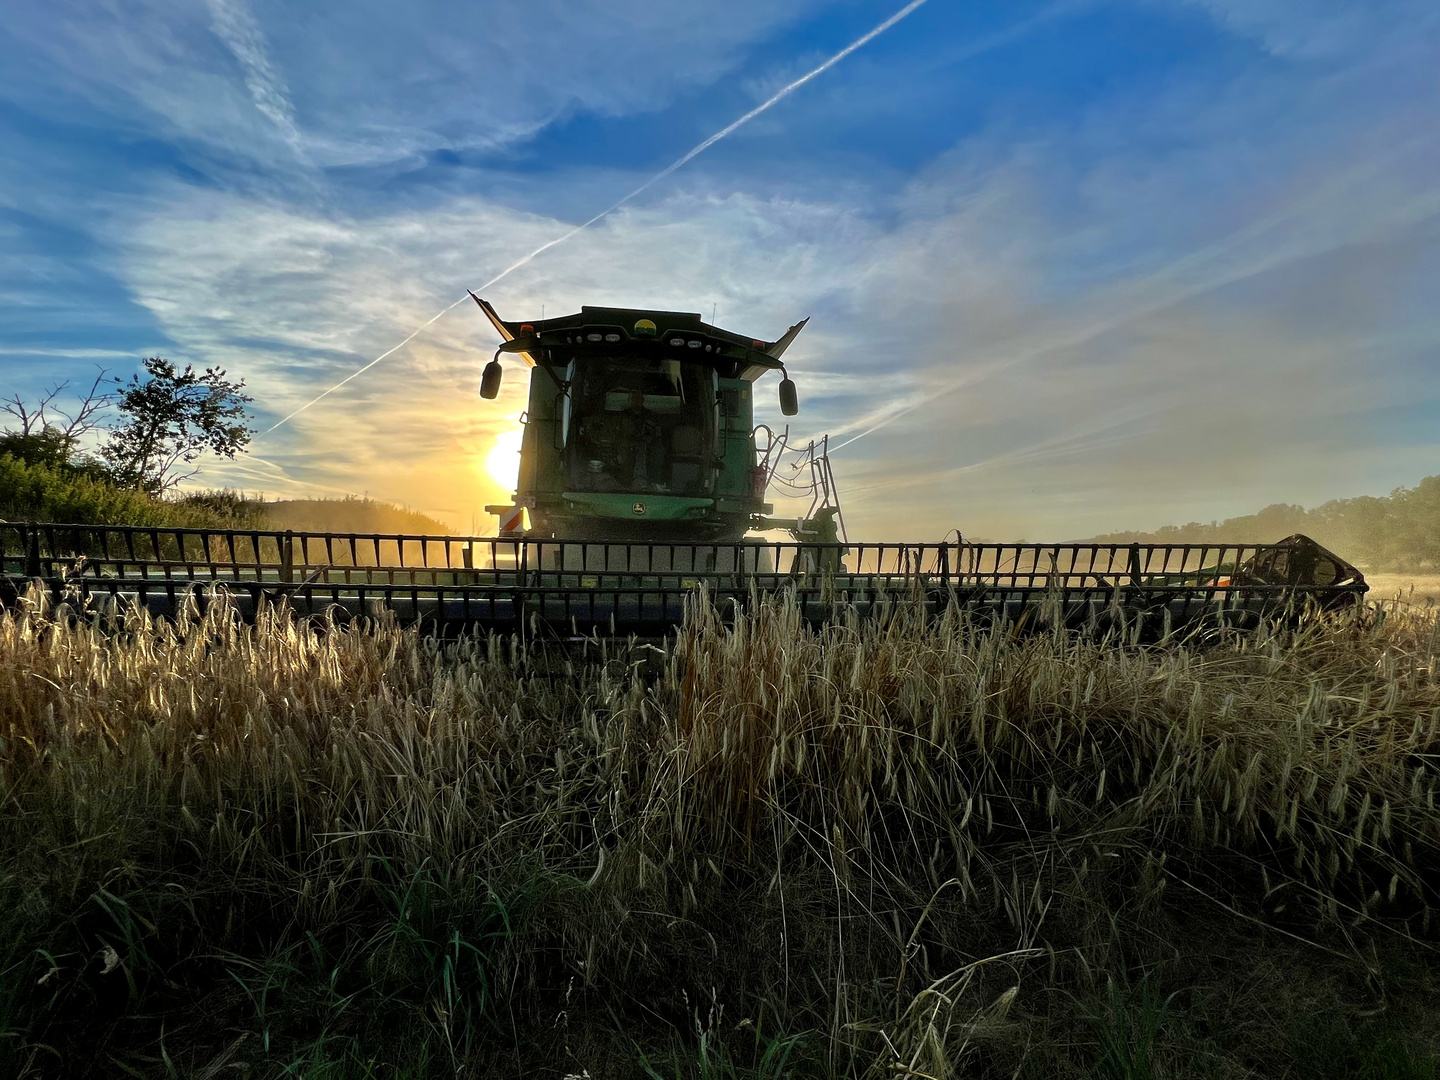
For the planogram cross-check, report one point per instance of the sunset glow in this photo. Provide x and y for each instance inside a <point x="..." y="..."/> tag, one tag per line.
<point x="503" y="462"/>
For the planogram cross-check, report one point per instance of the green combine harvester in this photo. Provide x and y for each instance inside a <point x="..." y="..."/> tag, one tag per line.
<point x="640" y="426"/>
<point x="643" y="487"/>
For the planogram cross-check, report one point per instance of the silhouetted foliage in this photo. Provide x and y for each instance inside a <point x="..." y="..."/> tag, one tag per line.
<point x="170" y="418"/>
<point x="49" y="446"/>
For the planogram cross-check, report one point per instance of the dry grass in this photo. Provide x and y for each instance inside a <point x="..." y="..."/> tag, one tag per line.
<point x="876" y="850"/>
<point x="1410" y="590"/>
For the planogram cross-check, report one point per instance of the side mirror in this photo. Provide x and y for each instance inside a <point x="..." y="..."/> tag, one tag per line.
<point x="490" y="380"/>
<point x="789" y="401"/>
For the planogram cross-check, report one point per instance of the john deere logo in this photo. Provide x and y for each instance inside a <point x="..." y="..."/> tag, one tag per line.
<point x="638" y="508"/>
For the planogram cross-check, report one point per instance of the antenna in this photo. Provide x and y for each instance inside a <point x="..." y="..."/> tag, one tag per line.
<point x="713" y="308"/>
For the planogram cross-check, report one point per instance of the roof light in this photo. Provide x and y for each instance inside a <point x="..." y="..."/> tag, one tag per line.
<point x="696" y="344"/>
<point x="612" y="337"/>
<point x="595" y="337"/>
<point x="526" y="328"/>
<point x="677" y="341"/>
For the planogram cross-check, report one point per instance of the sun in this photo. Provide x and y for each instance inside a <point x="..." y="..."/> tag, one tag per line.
<point x="503" y="461"/>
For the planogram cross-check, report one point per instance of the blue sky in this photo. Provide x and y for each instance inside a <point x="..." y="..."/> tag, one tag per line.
<point x="1072" y="266"/>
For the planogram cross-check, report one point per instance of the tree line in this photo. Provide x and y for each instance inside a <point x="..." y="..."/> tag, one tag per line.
<point x="1397" y="532"/>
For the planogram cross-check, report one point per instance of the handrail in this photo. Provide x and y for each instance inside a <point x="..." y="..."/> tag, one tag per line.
<point x="229" y="550"/>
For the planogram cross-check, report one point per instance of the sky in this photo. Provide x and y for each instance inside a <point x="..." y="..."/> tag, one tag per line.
<point x="1072" y="267"/>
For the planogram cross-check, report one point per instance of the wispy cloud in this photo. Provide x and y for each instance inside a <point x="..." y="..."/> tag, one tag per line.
<point x="1088" y="394"/>
<point x="235" y="25"/>
<point x="1170" y="283"/>
<point x="288" y="300"/>
<point x="377" y="83"/>
<point x="1315" y="29"/>
<point x="679" y="163"/>
<point x="1257" y="248"/>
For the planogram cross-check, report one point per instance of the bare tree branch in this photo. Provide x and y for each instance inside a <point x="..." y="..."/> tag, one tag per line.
<point x="33" y="421"/>
<point x="17" y="407"/>
<point x="85" y="418"/>
<point x="82" y="419"/>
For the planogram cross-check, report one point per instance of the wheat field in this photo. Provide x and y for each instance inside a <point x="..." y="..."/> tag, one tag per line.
<point x="884" y="849"/>
<point x="1409" y="590"/>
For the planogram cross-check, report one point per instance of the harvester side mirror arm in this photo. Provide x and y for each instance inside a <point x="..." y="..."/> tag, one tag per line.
<point x="528" y="343"/>
<point x="494" y="373"/>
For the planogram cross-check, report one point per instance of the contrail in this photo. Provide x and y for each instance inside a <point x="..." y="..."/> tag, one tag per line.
<point x="679" y="163"/>
<point x="361" y="371"/>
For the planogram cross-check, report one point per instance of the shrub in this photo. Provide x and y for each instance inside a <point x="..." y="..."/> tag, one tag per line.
<point x="63" y="493"/>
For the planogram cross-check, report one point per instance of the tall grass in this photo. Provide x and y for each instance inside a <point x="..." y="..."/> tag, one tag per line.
<point x="879" y="849"/>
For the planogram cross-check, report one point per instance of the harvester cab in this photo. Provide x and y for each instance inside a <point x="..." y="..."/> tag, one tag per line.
<point x="639" y="426"/>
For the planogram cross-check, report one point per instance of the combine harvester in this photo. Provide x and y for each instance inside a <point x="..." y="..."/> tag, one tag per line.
<point x="643" y="479"/>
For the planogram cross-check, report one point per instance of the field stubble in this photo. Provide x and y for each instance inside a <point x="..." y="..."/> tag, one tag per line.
<point x="884" y="849"/>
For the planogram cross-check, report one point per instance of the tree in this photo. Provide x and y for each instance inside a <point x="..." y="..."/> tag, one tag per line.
<point x="168" y="419"/>
<point x="49" y="435"/>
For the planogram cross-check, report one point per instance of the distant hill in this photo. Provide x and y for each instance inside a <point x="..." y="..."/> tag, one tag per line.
<point x="1397" y="532"/>
<point x="349" y="515"/>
